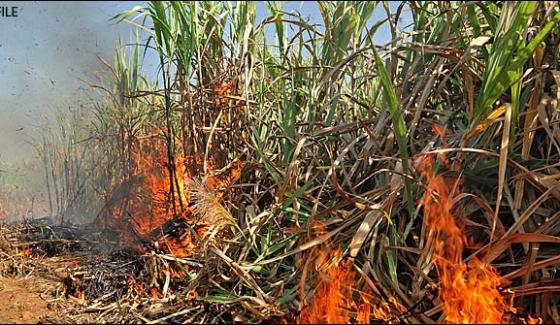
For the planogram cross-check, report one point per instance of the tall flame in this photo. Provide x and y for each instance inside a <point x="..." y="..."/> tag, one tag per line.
<point x="143" y="203"/>
<point x="469" y="291"/>
<point x="334" y="301"/>
<point x="331" y="299"/>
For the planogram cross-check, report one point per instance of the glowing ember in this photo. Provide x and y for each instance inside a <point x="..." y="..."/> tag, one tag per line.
<point x="469" y="292"/>
<point x="155" y="293"/>
<point x="80" y="294"/>
<point x="26" y="251"/>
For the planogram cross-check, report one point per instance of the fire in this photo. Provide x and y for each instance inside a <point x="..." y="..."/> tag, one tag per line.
<point x="184" y="245"/>
<point x="333" y="296"/>
<point x="385" y="311"/>
<point x="469" y="291"/>
<point x="136" y="286"/>
<point x="364" y="314"/>
<point x="26" y="251"/>
<point x="80" y="295"/>
<point x="470" y="294"/>
<point x="333" y="301"/>
<point x="141" y="205"/>
<point x="155" y="293"/>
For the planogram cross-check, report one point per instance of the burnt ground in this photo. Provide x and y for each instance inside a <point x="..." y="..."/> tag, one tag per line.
<point x="55" y="274"/>
<point x="35" y="265"/>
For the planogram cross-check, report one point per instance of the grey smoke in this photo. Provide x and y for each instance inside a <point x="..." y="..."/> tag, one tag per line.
<point x="43" y="55"/>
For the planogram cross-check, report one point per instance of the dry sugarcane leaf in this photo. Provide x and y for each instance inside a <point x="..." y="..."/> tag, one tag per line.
<point x="527" y="213"/>
<point x="543" y="118"/>
<point x="480" y="41"/>
<point x="532" y="177"/>
<point x="502" y="165"/>
<point x="491" y="118"/>
<point x="531" y="268"/>
<point x="371" y="220"/>
<point x="504" y="243"/>
<point x="310" y="244"/>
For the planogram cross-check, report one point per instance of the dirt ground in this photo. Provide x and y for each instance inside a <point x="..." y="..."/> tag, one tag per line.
<point x="22" y="302"/>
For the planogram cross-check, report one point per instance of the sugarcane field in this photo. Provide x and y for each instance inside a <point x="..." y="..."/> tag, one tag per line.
<point x="286" y="162"/>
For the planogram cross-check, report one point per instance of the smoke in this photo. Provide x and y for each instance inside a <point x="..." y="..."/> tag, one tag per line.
<point x="44" y="53"/>
<point x="48" y="55"/>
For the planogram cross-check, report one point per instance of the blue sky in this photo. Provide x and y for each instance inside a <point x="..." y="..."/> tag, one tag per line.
<point x="51" y="46"/>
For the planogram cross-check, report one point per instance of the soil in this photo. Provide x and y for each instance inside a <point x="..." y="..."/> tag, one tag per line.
<point x="22" y="302"/>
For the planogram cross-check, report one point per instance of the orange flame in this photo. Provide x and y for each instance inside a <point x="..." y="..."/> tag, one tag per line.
<point x="81" y="295"/>
<point x="184" y="245"/>
<point x="142" y="204"/>
<point x="469" y="291"/>
<point x="383" y="311"/>
<point x="26" y="251"/>
<point x="136" y="286"/>
<point x="364" y="314"/>
<point x="333" y="301"/>
<point x="332" y="297"/>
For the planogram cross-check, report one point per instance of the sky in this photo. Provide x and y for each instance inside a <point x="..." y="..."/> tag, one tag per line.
<point x="50" y="50"/>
